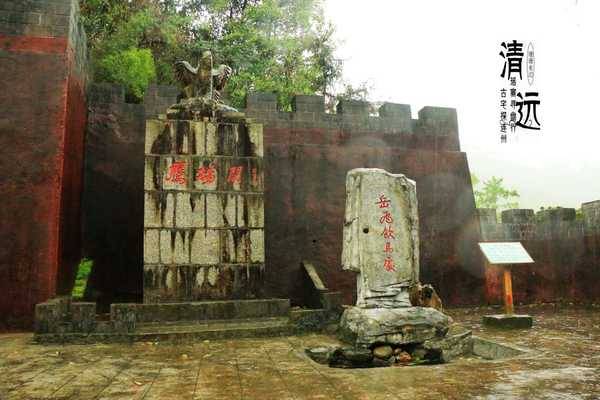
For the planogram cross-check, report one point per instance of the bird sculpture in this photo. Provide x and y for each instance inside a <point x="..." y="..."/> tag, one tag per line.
<point x="204" y="80"/>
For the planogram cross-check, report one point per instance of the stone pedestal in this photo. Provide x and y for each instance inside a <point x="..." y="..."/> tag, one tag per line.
<point x="381" y="244"/>
<point x="508" y="321"/>
<point x="396" y="326"/>
<point x="204" y="212"/>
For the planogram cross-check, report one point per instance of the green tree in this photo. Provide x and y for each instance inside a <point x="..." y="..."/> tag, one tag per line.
<point x="283" y="46"/>
<point x="493" y="194"/>
<point x="132" y="43"/>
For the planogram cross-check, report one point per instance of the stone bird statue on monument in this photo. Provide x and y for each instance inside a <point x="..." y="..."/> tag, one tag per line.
<point x="201" y="90"/>
<point x="204" y="80"/>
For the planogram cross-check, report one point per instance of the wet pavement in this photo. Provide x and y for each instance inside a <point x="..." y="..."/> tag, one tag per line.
<point x="564" y="364"/>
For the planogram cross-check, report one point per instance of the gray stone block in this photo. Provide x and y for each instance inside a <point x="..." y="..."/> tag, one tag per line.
<point x="83" y="316"/>
<point x="47" y="318"/>
<point x="320" y="355"/>
<point x="64" y="327"/>
<point x="152" y="211"/>
<point x="356" y="107"/>
<point x="106" y="93"/>
<point x="332" y="301"/>
<point x="309" y="320"/>
<point x="367" y="326"/>
<point x="487" y="215"/>
<point x="261" y="101"/>
<point x="506" y="321"/>
<point x="555" y="215"/>
<point x="166" y="283"/>
<point x="591" y="214"/>
<point x="171" y="243"/>
<point x="104" y="327"/>
<point x="450" y="347"/>
<point x="395" y="111"/>
<point x="517" y="216"/>
<point x="123" y="317"/>
<point x="308" y="103"/>
<point x="151" y="246"/>
<point x="257" y="246"/>
<point x="214" y="211"/>
<point x="183" y="211"/>
<point x="491" y="350"/>
<point x="205" y="247"/>
<point x="155" y="129"/>
<point x="440" y="121"/>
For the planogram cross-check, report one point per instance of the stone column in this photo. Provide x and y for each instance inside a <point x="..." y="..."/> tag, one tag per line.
<point x="204" y="213"/>
<point x="381" y="236"/>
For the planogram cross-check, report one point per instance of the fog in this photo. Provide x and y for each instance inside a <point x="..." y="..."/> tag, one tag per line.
<point x="446" y="53"/>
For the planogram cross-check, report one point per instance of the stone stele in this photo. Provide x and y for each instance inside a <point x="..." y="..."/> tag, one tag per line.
<point x="381" y="236"/>
<point x="381" y="244"/>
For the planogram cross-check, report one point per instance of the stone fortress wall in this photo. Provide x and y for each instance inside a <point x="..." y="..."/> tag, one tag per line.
<point x="42" y="124"/>
<point x="566" y="252"/>
<point x="307" y="155"/>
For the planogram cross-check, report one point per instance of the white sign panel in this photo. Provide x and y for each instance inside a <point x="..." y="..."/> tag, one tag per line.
<point x="505" y="253"/>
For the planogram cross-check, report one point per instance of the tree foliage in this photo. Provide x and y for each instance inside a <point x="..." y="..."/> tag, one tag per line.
<point x="283" y="46"/>
<point x="493" y="194"/>
<point x="133" y="68"/>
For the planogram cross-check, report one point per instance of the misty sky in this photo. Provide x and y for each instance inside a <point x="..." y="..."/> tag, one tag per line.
<point x="445" y="53"/>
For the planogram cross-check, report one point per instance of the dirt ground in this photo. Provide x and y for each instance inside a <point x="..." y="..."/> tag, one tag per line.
<point x="564" y="364"/>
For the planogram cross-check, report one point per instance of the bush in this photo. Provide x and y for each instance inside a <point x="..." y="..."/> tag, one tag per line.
<point x="83" y="273"/>
<point x="133" y="68"/>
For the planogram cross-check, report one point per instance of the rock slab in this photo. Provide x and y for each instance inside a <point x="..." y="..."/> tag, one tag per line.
<point x="395" y="326"/>
<point x="452" y="346"/>
<point x="508" y="321"/>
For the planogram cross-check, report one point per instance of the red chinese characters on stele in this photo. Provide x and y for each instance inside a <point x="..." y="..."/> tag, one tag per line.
<point x="206" y="174"/>
<point x="234" y="174"/>
<point x="386" y="220"/>
<point x="176" y="173"/>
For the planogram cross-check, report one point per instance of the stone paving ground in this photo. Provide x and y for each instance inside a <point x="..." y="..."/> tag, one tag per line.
<point x="565" y="365"/>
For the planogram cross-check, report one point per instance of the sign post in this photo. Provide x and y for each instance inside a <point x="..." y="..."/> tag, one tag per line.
<point x="509" y="308"/>
<point x="507" y="255"/>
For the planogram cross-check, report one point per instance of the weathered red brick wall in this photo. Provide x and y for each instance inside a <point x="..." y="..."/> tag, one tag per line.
<point x="566" y="252"/>
<point x="42" y="116"/>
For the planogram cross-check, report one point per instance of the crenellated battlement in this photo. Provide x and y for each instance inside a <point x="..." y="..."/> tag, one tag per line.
<point x="525" y="224"/>
<point x="436" y="128"/>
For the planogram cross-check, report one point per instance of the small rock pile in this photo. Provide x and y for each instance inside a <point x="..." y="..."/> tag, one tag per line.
<point x="386" y="355"/>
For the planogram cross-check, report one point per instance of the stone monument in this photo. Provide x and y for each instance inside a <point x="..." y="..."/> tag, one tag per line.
<point x="204" y="212"/>
<point x="381" y="244"/>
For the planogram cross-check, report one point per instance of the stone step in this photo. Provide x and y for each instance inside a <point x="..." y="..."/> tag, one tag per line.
<point x="215" y="329"/>
<point x="205" y="310"/>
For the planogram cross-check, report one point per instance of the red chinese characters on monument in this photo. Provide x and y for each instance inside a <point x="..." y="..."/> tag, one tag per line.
<point x="176" y="173"/>
<point x="388" y="233"/>
<point x="206" y="174"/>
<point x="234" y="174"/>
